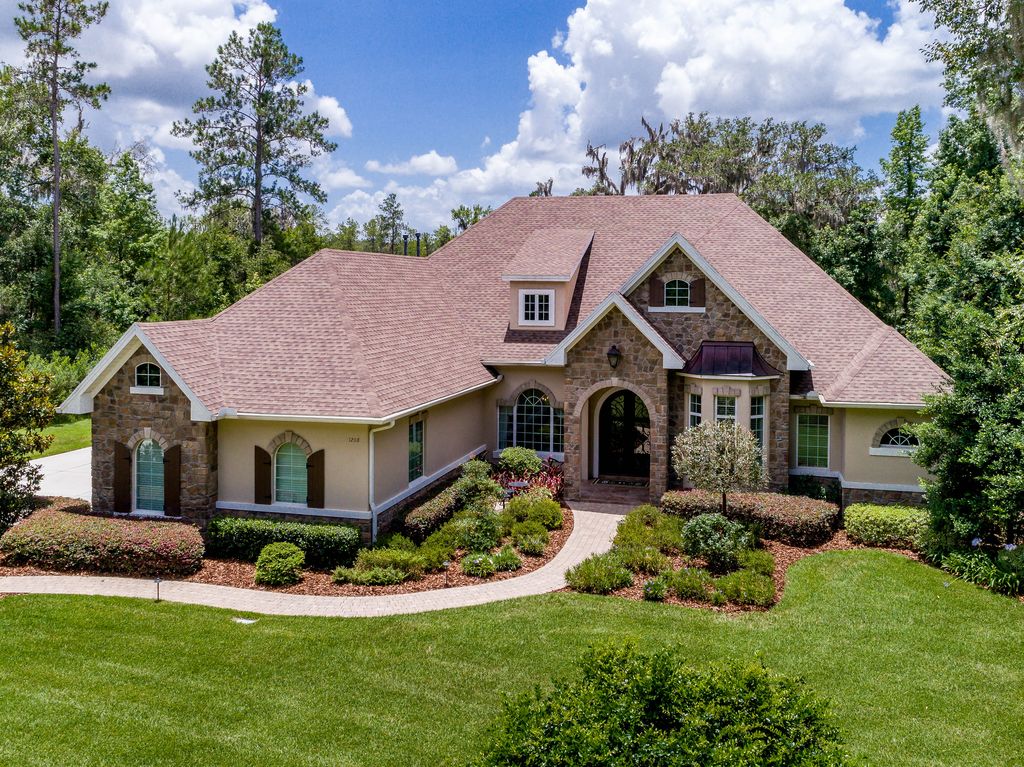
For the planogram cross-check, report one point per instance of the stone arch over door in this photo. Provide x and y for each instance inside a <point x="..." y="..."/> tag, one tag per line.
<point x="143" y="434"/>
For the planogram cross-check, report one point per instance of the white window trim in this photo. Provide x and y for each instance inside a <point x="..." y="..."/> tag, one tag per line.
<point x="828" y="442"/>
<point x="273" y="482"/>
<point x="540" y="453"/>
<point x="735" y="408"/>
<point x="159" y="372"/>
<point x="135" y="483"/>
<point x="523" y="293"/>
<point x="691" y="412"/>
<point x="893" y="450"/>
<point x="678" y="309"/>
<point x="146" y="390"/>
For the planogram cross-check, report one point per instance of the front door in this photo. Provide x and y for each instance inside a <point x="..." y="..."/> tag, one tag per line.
<point x="625" y="436"/>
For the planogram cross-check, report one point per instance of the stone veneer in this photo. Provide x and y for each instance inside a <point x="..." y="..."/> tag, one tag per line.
<point x="120" y="416"/>
<point x="853" y="495"/>
<point x="721" y="320"/>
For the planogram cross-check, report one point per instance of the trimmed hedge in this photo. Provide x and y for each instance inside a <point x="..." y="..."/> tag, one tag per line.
<point x="325" y="545"/>
<point x="791" y="519"/>
<point x="896" y="526"/>
<point x="58" y="540"/>
<point x="429" y="516"/>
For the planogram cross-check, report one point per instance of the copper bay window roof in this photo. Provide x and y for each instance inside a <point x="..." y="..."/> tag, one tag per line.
<point x="729" y="358"/>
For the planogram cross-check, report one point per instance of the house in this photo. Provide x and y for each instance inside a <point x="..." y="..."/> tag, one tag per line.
<point x="590" y="329"/>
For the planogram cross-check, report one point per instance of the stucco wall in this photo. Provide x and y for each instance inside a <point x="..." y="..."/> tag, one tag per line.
<point x="345" y="457"/>
<point x="860" y="466"/>
<point x="563" y="299"/>
<point x="514" y="381"/>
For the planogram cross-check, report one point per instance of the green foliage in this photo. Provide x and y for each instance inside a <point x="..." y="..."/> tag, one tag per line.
<point x="646" y="526"/>
<point x="506" y="560"/>
<point x="716" y="540"/>
<point x="479" y="565"/>
<point x="475" y="485"/>
<point x="891" y="526"/>
<point x="62" y="372"/>
<point x="279" y="564"/>
<point x="547" y="513"/>
<point x="395" y="559"/>
<point x="746" y="587"/>
<point x="599" y="574"/>
<point x="642" y="559"/>
<point x="431" y="514"/>
<point x="520" y="461"/>
<point x="531" y="538"/>
<point x="25" y="410"/>
<point x="624" y="707"/>
<point x="691" y="583"/>
<point x="478" y="532"/>
<point x="63" y="537"/>
<point x="395" y="541"/>
<point x="324" y="545"/>
<point x="378" y="576"/>
<point x="757" y="560"/>
<point x="719" y="456"/>
<point x="656" y="589"/>
<point x="1004" y="574"/>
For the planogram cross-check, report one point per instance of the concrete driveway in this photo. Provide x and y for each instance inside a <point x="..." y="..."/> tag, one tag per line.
<point x="68" y="474"/>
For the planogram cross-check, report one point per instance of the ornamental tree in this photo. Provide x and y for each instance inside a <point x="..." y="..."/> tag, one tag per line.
<point x="720" y="457"/>
<point x="25" y="410"/>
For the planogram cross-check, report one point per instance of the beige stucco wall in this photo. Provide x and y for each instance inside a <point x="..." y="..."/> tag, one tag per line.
<point x="451" y="431"/>
<point x="345" y="449"/>
<point x="515" y="380"/>
<point x="563" y="298"/>
<point x="860" y="466"/>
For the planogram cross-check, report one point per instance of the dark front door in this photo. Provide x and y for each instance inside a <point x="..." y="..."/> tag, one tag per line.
<point x="625" y="436"/>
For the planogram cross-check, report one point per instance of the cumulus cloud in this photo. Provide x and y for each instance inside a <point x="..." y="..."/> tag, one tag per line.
<point x="334" y="175"/>
<point x="339" y="123"/>
<point x="429" y="164"/>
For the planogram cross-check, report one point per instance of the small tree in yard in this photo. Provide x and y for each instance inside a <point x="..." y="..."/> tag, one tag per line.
<point x="25" y="410"/>
<point x="719" y="457"/>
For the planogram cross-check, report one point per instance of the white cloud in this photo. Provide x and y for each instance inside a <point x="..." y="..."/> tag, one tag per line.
<point x="429" y="164"/>
<point x="334" y="175"/>
<point x="339" y="123"/>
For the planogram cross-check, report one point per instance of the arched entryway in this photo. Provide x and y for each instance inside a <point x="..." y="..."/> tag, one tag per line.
<point x="624" y="436"/>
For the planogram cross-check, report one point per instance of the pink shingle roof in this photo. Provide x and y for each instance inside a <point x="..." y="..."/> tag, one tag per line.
<point x="369" y="335"/>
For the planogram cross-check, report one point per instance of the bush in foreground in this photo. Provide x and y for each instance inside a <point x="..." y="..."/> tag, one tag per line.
<point x="377" y="576"/>
<point x="1004" y="574"/>
<point x="599" y="574"/>
<point x="627" y="708"/>
<point x="901" y="527"/>
<point x="716" y="540"/>
<point x="746" y="587"/>
<point x="520" y="461"/>
<point x="324" y="545"/>
<point x="58" y="540"/>
<point x="279" y="564"/>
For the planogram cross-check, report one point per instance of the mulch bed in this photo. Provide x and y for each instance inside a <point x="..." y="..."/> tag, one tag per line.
<point x="229" y="572"/>
<point x="785" y="556"/>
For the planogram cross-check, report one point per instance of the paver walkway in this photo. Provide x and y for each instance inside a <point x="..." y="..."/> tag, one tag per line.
<point x="592" y="534"/>
<point x="68" y="474"/>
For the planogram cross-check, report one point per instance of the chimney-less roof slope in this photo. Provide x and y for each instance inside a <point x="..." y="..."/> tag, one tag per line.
<point x="550" y="254"/>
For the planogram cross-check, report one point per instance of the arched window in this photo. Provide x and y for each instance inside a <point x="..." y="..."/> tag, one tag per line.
<point x="148" y="375"/>
<point x="149" y="477"/>
<point x="533" y="422"/>
<point x="677" y="293"/>
<point x="898" y="438"/>
<point x="290" y="475"/>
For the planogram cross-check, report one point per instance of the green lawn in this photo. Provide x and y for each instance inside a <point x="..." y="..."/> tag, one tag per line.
<point x="68" y="436"/>
<point x="919" y="672"/>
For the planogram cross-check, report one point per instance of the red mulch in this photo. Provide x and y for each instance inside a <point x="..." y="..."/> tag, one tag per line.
<point x="229" y="572"/>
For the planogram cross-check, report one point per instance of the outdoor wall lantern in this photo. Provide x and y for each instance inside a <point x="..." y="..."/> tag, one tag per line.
<point x="614" y="355"/>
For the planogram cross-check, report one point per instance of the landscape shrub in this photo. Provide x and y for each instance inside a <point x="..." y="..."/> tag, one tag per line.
<point x="520" y="462"/>
<point x="599" y="574"/>
<point x="434" y="558"/>
<point x="625" y="708"/>
<point x="830" y="490"/>
<point x="475" y="485"/>
<point x="378" y="576"/>
<point x="691" y="583"/>
<point x="58" y="540"/>
<point x="646" y="526"/>
<point x="431" y="514"/>
<point x="479" y="565"/>
<point x="409" y="562"/>
<point x="1003" y="575"/>
<point x="279" y="564"/>
<point x="900" y="527"/>
<point x="479" y="531"/>
<point x="643" y="559"/>
<point x="718" y="599"/>
<point x="506" y="560"/>
<point x="325" y="545"/>
<point x="757" y="560"/>
<point x="656" y="589"/>
<point x="795" y="520"/>
<point x="395" y="541"/>
<point x="531" y="538"/>
<point x="716" y="540"/>
<point x="746" y="587"/>
<point x="546" y="512"/>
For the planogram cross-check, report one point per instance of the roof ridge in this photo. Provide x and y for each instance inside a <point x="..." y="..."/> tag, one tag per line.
<point x="857" y="362"/>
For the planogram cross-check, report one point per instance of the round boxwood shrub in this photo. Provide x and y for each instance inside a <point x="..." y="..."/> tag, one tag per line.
<point x="520" y="461"/>
<point x="599" y="574"/>
<point x="546" y="512"/>
<point x="279" y="564"/>
<point x="623" y="708"/>
<point x="716" y="540"/>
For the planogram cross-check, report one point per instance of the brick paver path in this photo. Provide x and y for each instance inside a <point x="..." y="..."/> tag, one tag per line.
<point x="593" y="530"/>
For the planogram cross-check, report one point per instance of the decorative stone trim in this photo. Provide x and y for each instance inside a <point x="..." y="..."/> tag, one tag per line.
<point x="762" y="390"/>
<point x="727" y="391"/>
<point x="514" y="397"/>
<point x="693" y="389"/>
<point x="684" y="276"/>
<point x="812" y="410"/>
<point x="289" y="436"/>
<point x="617" y="383"/>
<point x="896" y="423"/>
<point x="145" y="434"/>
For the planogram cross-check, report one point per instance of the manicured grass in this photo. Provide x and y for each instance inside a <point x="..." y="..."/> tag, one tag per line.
<point x="71" y="435"/>
<point x="921" y="670"/>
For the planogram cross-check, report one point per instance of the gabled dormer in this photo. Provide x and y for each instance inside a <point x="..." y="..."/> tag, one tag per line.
<point x="542" y="277"/>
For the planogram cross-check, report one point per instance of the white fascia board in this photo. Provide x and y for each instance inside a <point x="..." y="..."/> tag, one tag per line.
<point x="80" y="401"/>
<point x="724" y="377"/>
<point x="874" y="405"/>
<point x="794" y="359"/>
<point x="670" y="358"/>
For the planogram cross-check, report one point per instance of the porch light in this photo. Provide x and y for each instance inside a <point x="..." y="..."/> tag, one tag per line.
<point x="614" y="355"/>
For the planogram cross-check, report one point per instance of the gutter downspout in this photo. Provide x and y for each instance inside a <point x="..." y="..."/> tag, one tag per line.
<point x="373" y="503"/>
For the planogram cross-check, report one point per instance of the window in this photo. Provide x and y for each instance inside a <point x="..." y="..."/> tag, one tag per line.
<point x="757" y="420"/>
<point x="812" y="441"/>
<point x="898" y="438"/>
<point x="536" y="307"/>
<point x="290" y="477"/>
<point x="532" y="422"/>
<point x="147" y="375"/>
<point x="695" y="413"/>
<point x="725" y="409"/>
<point x="677" y="293"/>
<point x="149" y="477"/>
<point x="415" y="449"/>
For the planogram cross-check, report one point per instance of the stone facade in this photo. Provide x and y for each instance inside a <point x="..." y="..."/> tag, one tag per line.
<point x="120" y="416"/>
<point x="721" y="320"/>
<point x="853" y="495"/>
<point x="640" y="370"/>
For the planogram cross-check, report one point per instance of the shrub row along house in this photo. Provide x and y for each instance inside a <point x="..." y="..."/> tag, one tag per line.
<point x="589" y="329"/>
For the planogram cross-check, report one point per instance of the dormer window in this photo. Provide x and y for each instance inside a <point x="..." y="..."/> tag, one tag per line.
<point x="148" y="379"/>
<point x="677" y="293"/>
<point x="537" y="307"/>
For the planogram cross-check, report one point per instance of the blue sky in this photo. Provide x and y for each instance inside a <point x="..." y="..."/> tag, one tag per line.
<point x="457" y="101"/>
